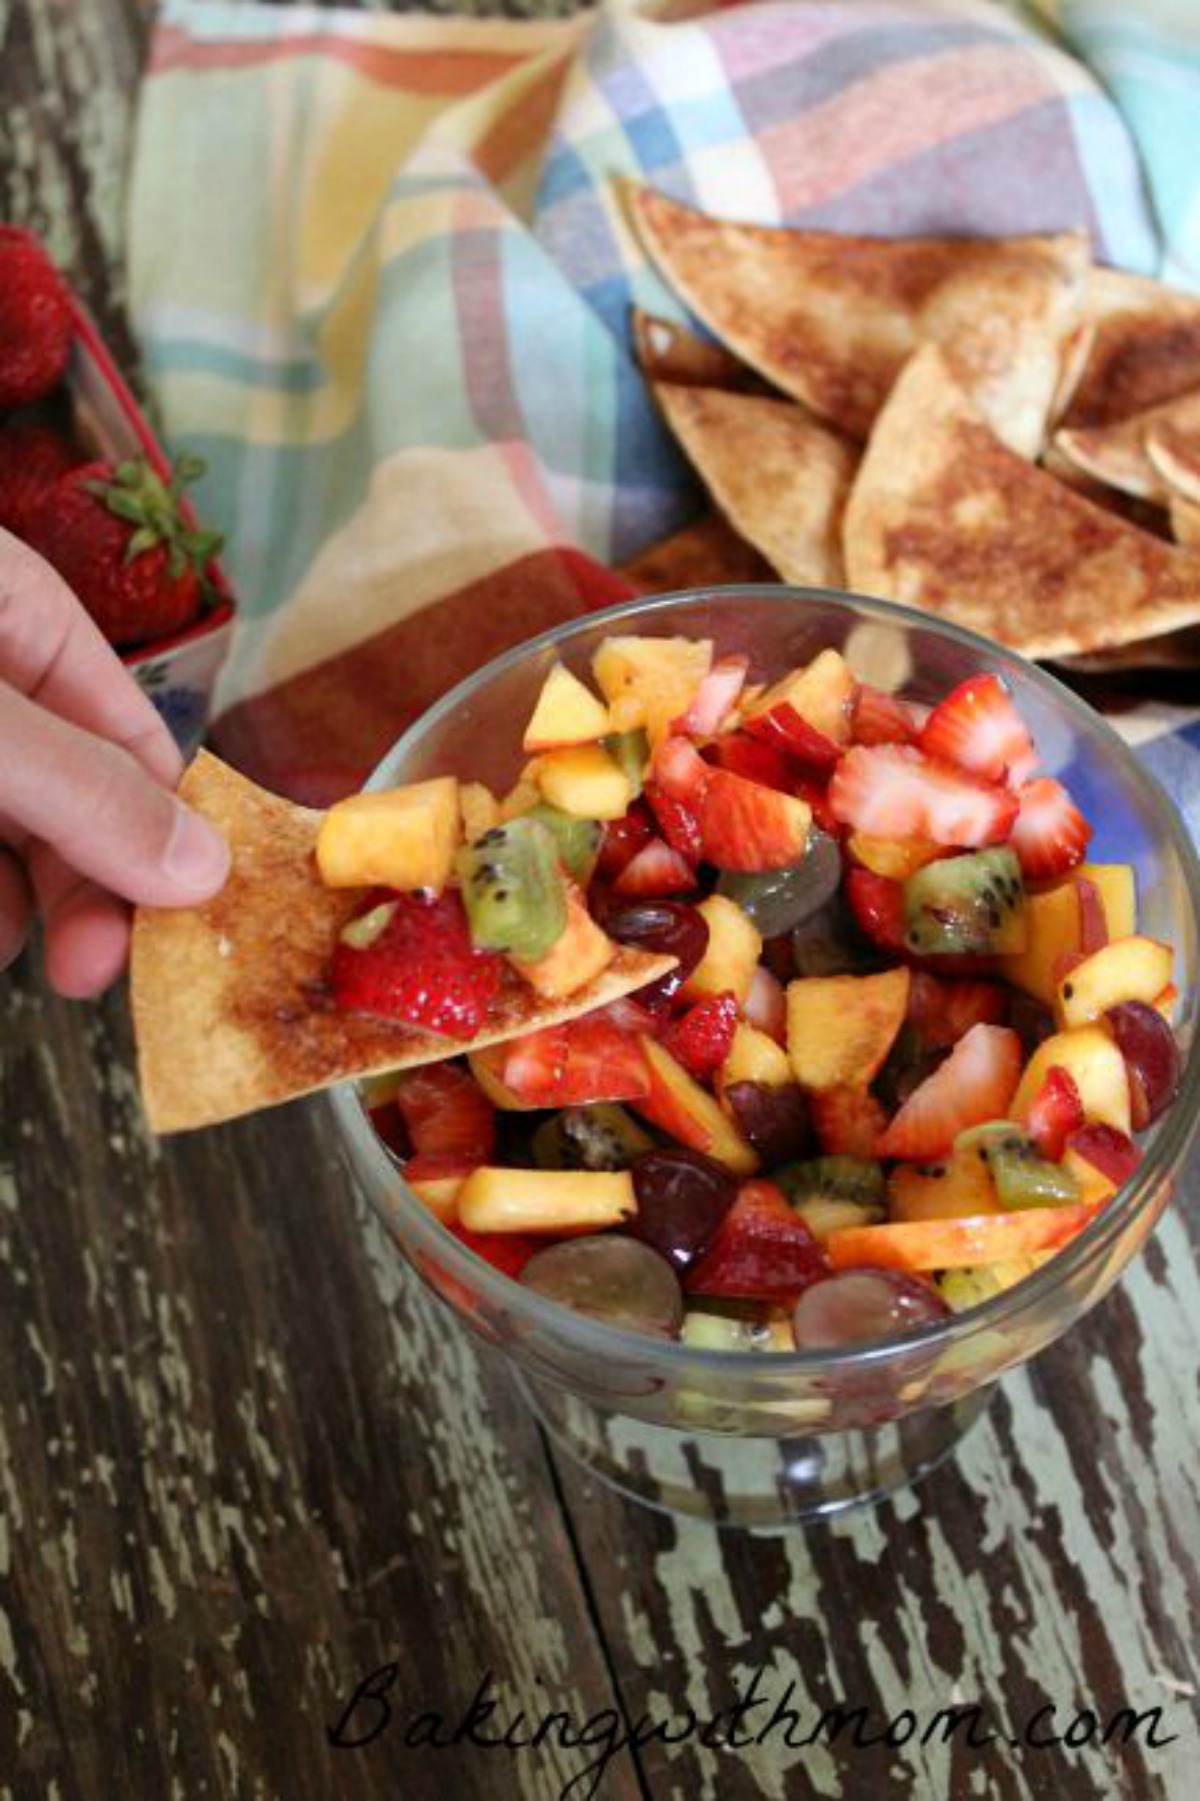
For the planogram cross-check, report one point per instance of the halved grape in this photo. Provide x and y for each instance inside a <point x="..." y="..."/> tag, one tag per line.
<point x="859" y="1305"/>
<point x="778" y="900"/>
<point x="774" y="1118"/>
<point x="610" y="1278"/>
<point x="1151" y="1055"/>
<point x="682" y="1198"/>
<point x="671" y="927"/>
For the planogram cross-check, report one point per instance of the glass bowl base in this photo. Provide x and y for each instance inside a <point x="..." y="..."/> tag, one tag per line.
<point x="756" y="1484"/>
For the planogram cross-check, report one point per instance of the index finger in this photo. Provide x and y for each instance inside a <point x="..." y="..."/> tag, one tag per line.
<point x="52" y="651"/>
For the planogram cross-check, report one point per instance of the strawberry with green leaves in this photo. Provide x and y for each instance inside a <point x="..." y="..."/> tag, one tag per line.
<point x="121" y="538"/>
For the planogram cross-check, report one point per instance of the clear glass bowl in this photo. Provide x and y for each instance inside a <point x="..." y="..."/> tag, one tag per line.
<point x="765" y="1440"/>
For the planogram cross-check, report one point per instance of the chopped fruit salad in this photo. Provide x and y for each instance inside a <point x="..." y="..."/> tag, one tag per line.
<point x="901" y="1056"/>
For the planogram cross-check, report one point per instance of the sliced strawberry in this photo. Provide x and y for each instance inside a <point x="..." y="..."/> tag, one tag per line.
<point x="588" y="1059"/>
<point x="702" y="1038"/>
<point x="977" y="727"/>
<point x="677" y="822"/>
<point x="877" y="904"/>
<point x="942" y="1012"/>
<point x="656" y="869"/>
<point x="680" y="771"/>
<point x="715" y="698"/>
<point x="630" y="1016"/>
<point x="1050" y="835"/>
<point x="446" y="1112"/>
<point x="388" y="1122"/>
<point x="816" y="796"/>
<point x="783" y="727"/>
<point x="893" y="791"/>
<point x="748" y="827"/>
<point x="440" y="1169"/>
<point x="422" y="968"/>
<point x="756" y="761"/>
<point x="622" y="840"/>
<point x="766" y="1004"/>
<point x="847" y="1121"/>
<point x="508" y="1252"/>
<point x="879" y="718"/>
<point x="975" y="1083"/>
<point x="762" y="1250"/>
<point x="1057" y="1111"/>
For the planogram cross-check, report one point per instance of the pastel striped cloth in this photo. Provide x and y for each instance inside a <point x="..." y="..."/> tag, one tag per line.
<point x="382" y="279"/>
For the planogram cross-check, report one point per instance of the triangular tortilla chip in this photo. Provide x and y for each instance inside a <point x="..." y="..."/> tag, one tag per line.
<point x="230" y="1010"/>
<point x="667" y="351"/>
<point x="944" y="517"/>
<point x="1122" y="456"/>
<point x="1137" y="344"/>
<point x="780" y="479"/>
<point x="1185" y="520"/>
<point x="708" y="554"/>
<point x="1149" y="514"/>
<point x="830" y="319"/>
<point x="1173" y="447"/>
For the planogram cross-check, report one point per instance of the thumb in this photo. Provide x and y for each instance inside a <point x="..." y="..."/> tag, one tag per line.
<point x="95" y="805"/>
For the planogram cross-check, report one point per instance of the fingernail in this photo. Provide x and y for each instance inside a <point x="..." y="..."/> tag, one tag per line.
<point x="197" y="856"/>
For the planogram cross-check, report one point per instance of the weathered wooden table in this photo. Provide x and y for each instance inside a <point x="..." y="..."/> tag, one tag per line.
<point x="245" y="1462"/>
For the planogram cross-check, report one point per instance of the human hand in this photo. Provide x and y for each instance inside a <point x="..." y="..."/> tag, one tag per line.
<point x="88" y="820"/>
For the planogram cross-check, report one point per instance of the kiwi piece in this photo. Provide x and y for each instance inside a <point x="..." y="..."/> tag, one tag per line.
<point x="973" y="905"/>
<point x="1021" y="1175"/>
<point x="630" y="751"/>
<point x="513" y="889"/>
<point x="857" y="1179"/>
<point x="713" y="1327"/>
<point x="578" y="840"/>
<point x="602" y="1136"/>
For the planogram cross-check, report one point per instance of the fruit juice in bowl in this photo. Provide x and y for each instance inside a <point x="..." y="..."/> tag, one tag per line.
<point x="905" y="1113"/>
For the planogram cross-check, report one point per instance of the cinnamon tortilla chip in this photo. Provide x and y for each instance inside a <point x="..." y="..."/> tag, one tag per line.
<point x="708" y="554"/>
<point x="667" y="351"/>
<point x="1185" y="520"/>
<point x="943" y="516"/>
<point x="230" y="1008"/>
<point x="1126" y="454"/>
<point x="1137" y="345"/>
<point x="831" y="319"/>
<point x="778" y="477"/>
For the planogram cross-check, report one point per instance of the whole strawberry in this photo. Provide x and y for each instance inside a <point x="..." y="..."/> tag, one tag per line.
<point x="119" y="538"/>
<point x="32" y="457"/>
<point x="35" y="320"/>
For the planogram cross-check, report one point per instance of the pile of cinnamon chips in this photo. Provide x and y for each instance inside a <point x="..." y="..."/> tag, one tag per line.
<point x="998" y="431"/>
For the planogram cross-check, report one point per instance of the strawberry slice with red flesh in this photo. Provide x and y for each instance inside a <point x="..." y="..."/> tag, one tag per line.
<point x="702" y="1038"/>
<point x="508" y="1252"/>
<point x="894" y="791"/>
<point x="941" y="1012"/>
<point x="623" y="839"/>
<point x="588" y="1059"/>
<point x="677" y="822"/>
<point x="975" y="1083"/>
<point x="447" y="1113"/>
<point x="977" y="727"/>
<point x="715" y="698"/>
<point x="655" y="870"/>
<point x="388" y="1122"/>
<point x="786" y="729"/>
<point x="756" y="761"/>
<point x="816" y="797"/>
<point x="1050" y="835"/>
<point x="440" y="1169"/>
<point x="762" y="1251"/>
<point x="1056" y="1113"/>
<point x="680" y="772"/>
<point x="421" y="968"/>
<point x="744" y="826"/>
<point x="879" y="718"/>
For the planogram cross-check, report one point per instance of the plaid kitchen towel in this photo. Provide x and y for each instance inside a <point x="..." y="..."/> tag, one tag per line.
<point x="382" y="279"/>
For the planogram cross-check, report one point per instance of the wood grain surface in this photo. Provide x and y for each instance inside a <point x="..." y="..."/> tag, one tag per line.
<point x="245" y="1460"/>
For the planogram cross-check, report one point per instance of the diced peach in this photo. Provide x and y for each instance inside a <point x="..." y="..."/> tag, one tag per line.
<point x="1090" y="1057"/>
<point x="848" y="1121"/>
<point x="545" y="1200"/>
<point x="566" y="714"/>
<point x="821" y="693"/>
<point x="487" y="1067"/>
<point x="523" y="795"/>
<point x="584" y="782"/>
<point x="650" y="681"/>
<point x="687" y="1112"/>
<point x="397" y="838"/>
<point x="754" y="1057"/>
<point x="1093" y="1184"/>
<point x="957" y="1243"/>
<point x="1125" y="969"/>
<point x="437" y="1184"/>
<point x="841" y="1028"/>
<point x="478" y="809"/>
<point x="1052" y="920"/>
<point x="1167" y="1001"/>
<point x="895" y="858"/>
<point x="734" y="947"/>
<point x="575" y="959"/>
<point x="960" y="1187"/>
